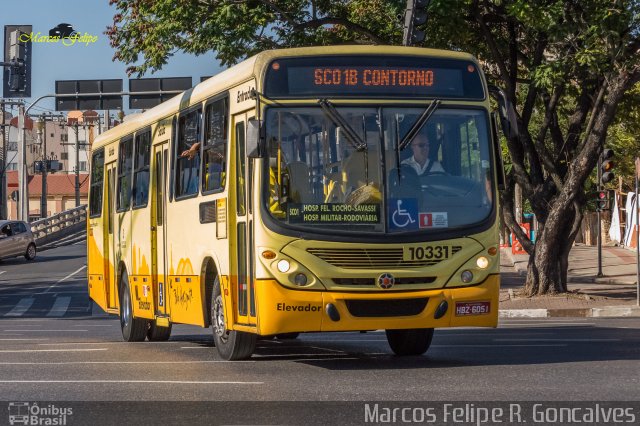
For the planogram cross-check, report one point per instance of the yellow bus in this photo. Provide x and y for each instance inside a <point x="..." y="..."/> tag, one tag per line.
<point x="316" y="189"/>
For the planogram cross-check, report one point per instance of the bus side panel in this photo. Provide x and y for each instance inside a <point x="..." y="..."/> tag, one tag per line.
<point x="141" y="283"/>
<point x="95" y="263"/>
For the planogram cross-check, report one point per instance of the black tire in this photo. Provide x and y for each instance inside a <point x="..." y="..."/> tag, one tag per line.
<point x="30" y="254"/>
<point x="133" y="329"/>
<point x="410" y="342"/>
<point x="155" y="333"/>
<point x="287" y="336"/>
<point x="231" y="345"/>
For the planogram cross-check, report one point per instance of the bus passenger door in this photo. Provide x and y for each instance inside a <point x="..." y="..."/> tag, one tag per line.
<point x="244" y="265"/>
<point x="158" y="221"/>
<point x="110" y="249"/>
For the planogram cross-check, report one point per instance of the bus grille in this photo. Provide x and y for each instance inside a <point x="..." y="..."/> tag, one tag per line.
<point x="372" y="258"/>
<point x="372" y="281"/>
<point x="386" y="308"/>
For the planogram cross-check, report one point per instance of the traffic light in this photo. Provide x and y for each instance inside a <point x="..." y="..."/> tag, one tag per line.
<point x="17" y="54"/>
<point x="606" y="166"/>
<point x="415" y="16"/>
<point x="602" y="201"/>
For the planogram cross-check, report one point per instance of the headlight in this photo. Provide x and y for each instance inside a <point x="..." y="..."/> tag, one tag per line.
<point x="466" y="276"/>
<point x="283" y="266"/>
<point x="300" y="279"/>
<point x="482" y="262"/>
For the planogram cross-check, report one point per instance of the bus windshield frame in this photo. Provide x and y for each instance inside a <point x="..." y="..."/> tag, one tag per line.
<point x="312" y="174"/>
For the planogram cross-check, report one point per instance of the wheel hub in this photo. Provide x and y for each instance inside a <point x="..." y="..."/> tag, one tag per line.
<point x="218" y="319"/>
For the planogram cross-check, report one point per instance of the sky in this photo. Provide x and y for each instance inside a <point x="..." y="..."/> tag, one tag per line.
<point x="54" y="61"/>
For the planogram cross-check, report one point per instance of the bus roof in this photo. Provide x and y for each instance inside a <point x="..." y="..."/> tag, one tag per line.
<point x="254" y="67"/>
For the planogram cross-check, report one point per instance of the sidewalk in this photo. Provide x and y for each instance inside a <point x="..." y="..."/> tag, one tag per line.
<point x="613" y="295"/>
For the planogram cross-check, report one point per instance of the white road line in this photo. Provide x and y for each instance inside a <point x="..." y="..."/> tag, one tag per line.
<point x="168" y="382"/>
<point x="118" y="362"/>
<point x="108" y="343"/>
<point x="2" y="272"/>
<point x="51" y="350"/>
<point x="23" y="306"/>
<point x="327" y="349"/>
<point x="44" y="331"/>
<point x="94" y="325"/>
<point x="497" y="346"/>
<point x="65" y="278"/>
<point x="31" y="340"/>
<point x="195" y="347"/>
<point x="59" y="307"/>
<point x="555" y="340"/>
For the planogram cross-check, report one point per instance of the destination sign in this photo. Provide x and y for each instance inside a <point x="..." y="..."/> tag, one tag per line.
<point x="333" y="213"/>
<point x="365" y="76"/>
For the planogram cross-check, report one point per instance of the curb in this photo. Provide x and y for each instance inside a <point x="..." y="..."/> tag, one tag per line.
<point x="604" y="312"/>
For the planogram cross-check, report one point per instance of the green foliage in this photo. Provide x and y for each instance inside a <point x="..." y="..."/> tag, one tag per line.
<point x="146" y="33"/>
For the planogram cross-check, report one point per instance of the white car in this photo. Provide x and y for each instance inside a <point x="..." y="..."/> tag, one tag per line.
<point x="16" y="240"/>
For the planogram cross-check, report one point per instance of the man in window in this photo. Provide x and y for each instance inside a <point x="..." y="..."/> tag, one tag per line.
<point x="420" y="161"/>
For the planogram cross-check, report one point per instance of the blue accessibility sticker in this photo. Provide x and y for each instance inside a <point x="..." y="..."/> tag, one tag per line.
<point x="403" y="214"/>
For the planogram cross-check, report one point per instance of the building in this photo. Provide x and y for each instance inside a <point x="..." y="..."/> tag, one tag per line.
<point x="60" y="193"/>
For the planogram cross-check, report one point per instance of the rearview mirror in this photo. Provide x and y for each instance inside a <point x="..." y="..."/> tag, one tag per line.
<point x="254" y="145"/>
<point x="506" y="112"/>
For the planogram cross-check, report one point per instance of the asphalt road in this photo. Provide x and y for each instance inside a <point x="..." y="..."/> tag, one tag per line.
<point x="71" y="351"/>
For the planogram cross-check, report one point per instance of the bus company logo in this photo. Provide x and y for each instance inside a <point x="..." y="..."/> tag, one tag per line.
<point x="27" y="413"/>
<point x="386" y="281"/>
<point x="61" y="33"/>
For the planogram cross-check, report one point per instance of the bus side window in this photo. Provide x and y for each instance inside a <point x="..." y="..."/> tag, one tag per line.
<point x="141" y="169"/>
<point x="97" y="180"/>
<point x="215" y="147"/>
<point x="125" y="162"/>
<point x="188" y="170"/>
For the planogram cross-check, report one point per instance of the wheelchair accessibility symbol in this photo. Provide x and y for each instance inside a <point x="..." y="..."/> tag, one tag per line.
<point x="403" y="214"/>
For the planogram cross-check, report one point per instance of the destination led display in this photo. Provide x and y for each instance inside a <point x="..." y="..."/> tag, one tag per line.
<point x="363" y="76"/>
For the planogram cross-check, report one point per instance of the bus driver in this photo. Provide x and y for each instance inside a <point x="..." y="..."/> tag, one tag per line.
<point x="420" y="161"/>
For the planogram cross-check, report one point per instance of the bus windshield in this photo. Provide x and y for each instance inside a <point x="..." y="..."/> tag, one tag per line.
<point x="380" y="180"/>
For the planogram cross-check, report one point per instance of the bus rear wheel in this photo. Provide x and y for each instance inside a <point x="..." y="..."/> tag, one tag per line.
<point x="410" y="342"/>
<point x="133" y="329"/>
<point x="155" y="333"/>
<point x="231" y="345"/>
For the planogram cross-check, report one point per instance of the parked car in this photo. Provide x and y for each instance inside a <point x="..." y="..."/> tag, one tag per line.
<point x="16" y="239"/>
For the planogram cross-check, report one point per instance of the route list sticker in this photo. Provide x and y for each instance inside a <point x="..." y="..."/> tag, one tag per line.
<point x="334" y="213"/>
<point x="434" y="220"/>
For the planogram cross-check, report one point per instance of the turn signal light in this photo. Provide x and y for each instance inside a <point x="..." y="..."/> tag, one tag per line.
<point x="268" y="254"/>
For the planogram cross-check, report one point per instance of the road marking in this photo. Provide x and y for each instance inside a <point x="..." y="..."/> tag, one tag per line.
<point x="51" y="350"/>
<point x="31" y="340"/>
<point x="555" y="340"/>
<point x="45" y="331"/>
<point x="93" y="325"/>
<point x="65" y="278"/>
<point x="169" y="382"/>
<point x="59" y="307"/>
<point x="196" y="347"/>
<point x="2" y="272"/>
<point x="498" y="346"/>
<point x="23" y="306"/>
<point x="118" y="362"/>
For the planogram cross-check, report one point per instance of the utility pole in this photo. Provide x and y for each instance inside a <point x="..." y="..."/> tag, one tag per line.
<point x="76" y="129"/>
<point x="3" y="166"/>
<point x="42" y="135"/>
<point x="23" y="171"/>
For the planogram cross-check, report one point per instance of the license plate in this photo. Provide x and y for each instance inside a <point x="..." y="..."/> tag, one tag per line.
<point x="472" y="308"/>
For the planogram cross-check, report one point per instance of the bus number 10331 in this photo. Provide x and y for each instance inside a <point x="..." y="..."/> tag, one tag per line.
<point x="426" y="253"/>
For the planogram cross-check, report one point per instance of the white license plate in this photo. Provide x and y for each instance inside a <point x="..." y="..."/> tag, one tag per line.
<point x="472" y="308"/>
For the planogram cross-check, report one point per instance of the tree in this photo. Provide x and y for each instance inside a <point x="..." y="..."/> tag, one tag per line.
<point x="566" y="64"/>
<point x="235" y="29"/>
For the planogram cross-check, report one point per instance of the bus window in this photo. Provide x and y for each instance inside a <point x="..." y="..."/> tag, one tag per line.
<point x="215" y="147"/>
<point x="240" y="168"/>
<point x="123" y="200"/>
<point x="97" y="179"/>
<point x="141" y="170"/>
<point x="188" y="169"/>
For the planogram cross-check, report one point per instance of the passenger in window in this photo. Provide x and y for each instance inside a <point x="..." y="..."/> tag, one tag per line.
<point x="6" y="231"/>
<point x="420" y="161"/>
<point x="192" y="151"/>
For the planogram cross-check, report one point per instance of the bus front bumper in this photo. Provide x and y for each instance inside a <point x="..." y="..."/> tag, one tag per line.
<point x="282" y="310"/>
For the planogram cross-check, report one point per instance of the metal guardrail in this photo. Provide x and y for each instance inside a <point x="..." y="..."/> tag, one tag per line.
<point x="59" y="225"/>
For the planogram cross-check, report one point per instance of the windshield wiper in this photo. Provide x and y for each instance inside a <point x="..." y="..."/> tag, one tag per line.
<point x="418" y="125"/>
<point x="333" y="114"/>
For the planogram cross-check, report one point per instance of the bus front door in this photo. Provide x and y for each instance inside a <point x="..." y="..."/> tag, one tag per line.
<point x="158" y="221"/>
<point x="244" y="265"/>
<point x="109" y="253"/>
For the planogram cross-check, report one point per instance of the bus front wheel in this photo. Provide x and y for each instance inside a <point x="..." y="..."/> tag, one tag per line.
<point x="231" y="344"/>
<point x="133" y="329"/>
<point x="410" y="342"/>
